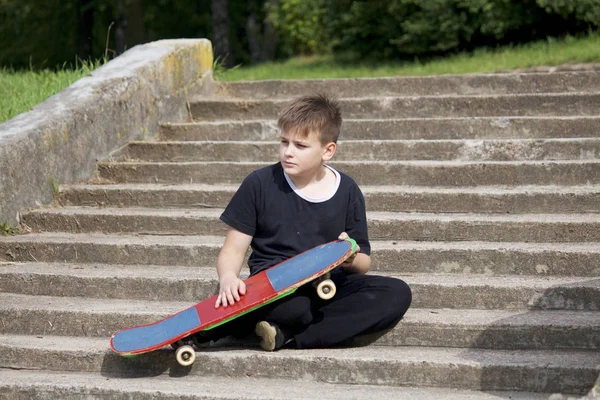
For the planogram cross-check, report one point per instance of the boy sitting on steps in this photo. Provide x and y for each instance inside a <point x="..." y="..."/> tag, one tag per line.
<point x="289" y="207"/>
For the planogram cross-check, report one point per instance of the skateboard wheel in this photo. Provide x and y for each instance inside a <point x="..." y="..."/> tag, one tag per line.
<point x="326" y="289"/>
<point x="185" y="355"/>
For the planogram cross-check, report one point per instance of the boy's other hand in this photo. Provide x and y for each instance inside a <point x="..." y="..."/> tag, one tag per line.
<point x="230" y="290"/>
<point x="350" y="260"/>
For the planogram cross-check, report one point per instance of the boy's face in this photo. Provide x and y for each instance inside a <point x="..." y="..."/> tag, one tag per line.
<point x="303" y="156"/>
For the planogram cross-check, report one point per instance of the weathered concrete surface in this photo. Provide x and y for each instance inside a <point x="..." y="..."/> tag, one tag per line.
<point x="465" y="328"/>
<point x="536" y="199"/>
<point x="37" y="385"/>
<point x="396" y="129"/>
<point x="472" y="84"/>
<point x="572" y="104"/>
<point x="382" y="150"/>
<point x="62" y="138"/>
<point x="538" y="259"/>
<point x="417" y="173"/>
<point x="450" y="227"/>
<point x="536" y="370"/>
<point x="116" y="249"/>
<point x="452" y="291"/>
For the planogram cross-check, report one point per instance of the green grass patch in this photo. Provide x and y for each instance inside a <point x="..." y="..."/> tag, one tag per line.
<point x="551" y="52"/>
<point x="6" y="229"/>
<point x="21" y="90"/>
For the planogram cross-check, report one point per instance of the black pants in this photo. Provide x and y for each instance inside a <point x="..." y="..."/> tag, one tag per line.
<point x="363" y="304"/>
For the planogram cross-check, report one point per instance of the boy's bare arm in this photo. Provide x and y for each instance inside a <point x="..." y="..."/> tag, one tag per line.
<point x="229" y="265"/>
<point x="359" y="263"/>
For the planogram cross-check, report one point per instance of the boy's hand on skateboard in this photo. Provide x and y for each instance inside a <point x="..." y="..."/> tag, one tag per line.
<point x="230" y="289"/>
<point x="350" y="260"/>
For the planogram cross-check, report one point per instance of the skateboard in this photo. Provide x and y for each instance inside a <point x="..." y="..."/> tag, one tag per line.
<point x="263" y="288"/>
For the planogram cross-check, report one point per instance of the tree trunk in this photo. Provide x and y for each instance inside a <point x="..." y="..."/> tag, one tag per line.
<point x="136" y="31"/>
<point x="254" y="38"/>
<point x="269" y="45"/>
<point x="120" y="28"/>
<point x="220" y="28"/>
<point x="85" y="28"/>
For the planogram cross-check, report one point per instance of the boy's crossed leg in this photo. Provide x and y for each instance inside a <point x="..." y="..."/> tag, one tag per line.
<point x="363" y="304"/>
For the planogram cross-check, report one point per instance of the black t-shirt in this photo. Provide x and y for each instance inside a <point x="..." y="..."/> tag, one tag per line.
<point x="284" y="223"/>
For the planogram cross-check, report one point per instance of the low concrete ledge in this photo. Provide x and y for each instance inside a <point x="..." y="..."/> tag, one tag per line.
<point x="62" y="138"/>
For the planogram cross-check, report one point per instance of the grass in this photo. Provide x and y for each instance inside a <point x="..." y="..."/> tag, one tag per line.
<point x="21" y="90"/>
<point x="569" y="50"/>
<point x="6" y="229"/>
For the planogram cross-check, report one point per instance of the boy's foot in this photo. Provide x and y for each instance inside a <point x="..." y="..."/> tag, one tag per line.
<point x="271" y="336"/>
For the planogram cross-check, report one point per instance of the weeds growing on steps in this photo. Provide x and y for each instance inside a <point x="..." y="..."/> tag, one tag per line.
<point x="6" y="229"/>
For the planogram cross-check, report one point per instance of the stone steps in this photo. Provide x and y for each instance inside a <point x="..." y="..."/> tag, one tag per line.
<point x="411" y="173"/>
<point x="184" y="283"/>
<point x="382" y="225"/>
<point x="78" y="385"/>
<point x="393" y="198"/>
<point x="381" y="150"/>
<point x="499" y="258"/>
<point x="439" y="128"/>
<point x="469" y="84"/>
<point x="554" y="104"/>
<point x="431" y="327"/>
<point x="471" y="369"/>
<point x="482" y="193"/>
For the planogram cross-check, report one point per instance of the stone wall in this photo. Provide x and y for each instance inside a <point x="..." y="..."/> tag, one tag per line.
<point x="61" y="139"/>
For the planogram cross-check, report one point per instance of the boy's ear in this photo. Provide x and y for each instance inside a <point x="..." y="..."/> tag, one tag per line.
<point x="329" y="151"/>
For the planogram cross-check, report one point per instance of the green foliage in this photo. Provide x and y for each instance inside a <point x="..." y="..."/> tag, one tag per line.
<point x="407" y="28"/>
<point x="585" y="10"/>
<point x="45" y="33"/>
<point x="6" y="229"/>
<point x="300" y="25"/>
<point x="55" y="186"/>
<point x="36" y="32"/>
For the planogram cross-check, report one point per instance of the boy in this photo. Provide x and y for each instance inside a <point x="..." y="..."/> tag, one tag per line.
<point x="289" y="207"/>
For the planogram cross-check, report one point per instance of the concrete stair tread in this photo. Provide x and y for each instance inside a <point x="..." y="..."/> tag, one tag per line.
<point x="461" y="290"/>
<point x="94" y="385"/>
<point x="275" y="141"/>
<point x="421" y="85"/>
<point x="202" y="240"/>
<point x="473" y="369"/>
<point x="116" y="239"/>
<point x="421" y="173"/>
<point x="483" y="190"/>
<point x="374" y="149"/>
<point x="208" y="273"/>
<point x="387" y="98"/>
<point x="98" y="270"/>
<point x="181" y="212"/>
<point x="421" y="316"/>
<point x="87" y="346"/>
<point x="225" y="121"/>
<point x="432" y="163"/>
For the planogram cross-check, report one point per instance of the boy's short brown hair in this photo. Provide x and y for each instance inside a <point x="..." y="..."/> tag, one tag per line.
<point x="314" y="113"/>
